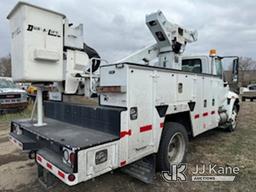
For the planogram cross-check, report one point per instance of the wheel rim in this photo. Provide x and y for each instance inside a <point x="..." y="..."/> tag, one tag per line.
<point x="233" y="118"/>
<point x="176" y="148"/>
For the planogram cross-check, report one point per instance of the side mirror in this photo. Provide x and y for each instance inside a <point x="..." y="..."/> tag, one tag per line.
<point x="235" y="70"/>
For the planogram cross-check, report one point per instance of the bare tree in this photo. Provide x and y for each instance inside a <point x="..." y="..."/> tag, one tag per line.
<point x="5" y="66"/>
<point x="246" y="63"/>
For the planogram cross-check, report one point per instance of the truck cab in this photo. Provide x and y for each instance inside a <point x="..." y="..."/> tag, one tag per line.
<point x="203" y="64"/>
<point x="12" y="98"/>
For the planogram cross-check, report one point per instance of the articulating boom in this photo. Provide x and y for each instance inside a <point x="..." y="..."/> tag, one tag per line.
<point x="171" y="41"/>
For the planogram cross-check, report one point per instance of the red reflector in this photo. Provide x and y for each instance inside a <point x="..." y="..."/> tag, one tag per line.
<point x="162" y="125"/>
<point x="196" y="116"/>
<point x="145" y="128"/>
<point x="205" y="114"/>
<point x="123" y="163"/>
<point x="71" y="177"/>
<point x="61" y="174"/>
<point x="39" y="158"/>
<point x="49" y="165"/>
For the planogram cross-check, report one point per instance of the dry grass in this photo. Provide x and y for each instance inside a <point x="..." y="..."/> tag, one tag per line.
<point x="18" y="115"/>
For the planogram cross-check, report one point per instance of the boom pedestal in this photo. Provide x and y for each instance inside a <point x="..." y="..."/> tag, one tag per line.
<point x="40" y="111"/>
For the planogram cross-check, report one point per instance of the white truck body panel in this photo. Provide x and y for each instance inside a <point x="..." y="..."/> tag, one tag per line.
<point x="148" y="87"/>
<point x="88" y="169"/>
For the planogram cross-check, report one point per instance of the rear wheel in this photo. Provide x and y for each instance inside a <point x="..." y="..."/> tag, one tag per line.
<point x="173" y="146"/>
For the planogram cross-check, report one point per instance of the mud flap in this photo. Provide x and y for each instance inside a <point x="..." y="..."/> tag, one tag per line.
<point x="144" y="169"/>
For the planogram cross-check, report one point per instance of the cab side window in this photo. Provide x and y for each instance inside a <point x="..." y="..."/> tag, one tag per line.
<point x="192" y="65"/>
<point x="218" y="65"/>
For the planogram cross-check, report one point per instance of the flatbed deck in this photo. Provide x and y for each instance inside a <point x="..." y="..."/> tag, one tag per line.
<point x="67" y="134"/>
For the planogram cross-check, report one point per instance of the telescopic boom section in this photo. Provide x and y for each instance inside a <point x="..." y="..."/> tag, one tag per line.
<point x="171" y="41"/>
<point x="169" y="36"/>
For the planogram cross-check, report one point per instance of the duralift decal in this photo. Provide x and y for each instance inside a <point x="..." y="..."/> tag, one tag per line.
<point x="49" y="31"/>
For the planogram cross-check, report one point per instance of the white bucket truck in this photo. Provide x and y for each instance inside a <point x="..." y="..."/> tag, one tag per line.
<point x="147" y="110"/>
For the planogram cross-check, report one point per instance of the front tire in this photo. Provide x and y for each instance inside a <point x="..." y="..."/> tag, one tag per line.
<point x="173" y="146"/>
<point x="233" y="119"/>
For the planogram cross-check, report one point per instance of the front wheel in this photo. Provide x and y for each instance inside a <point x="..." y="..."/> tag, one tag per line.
<point x="173" y="146"/>
<point x="233" y="119"/>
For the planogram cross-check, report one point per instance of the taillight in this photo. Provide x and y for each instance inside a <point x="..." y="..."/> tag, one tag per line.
<point x="71" y="177"/>
<point x="69" y="156"/>
<point x="16" y="129"/>
<point x="72" y="158"/>
<point x="66" y="155"/>
<point x="13" y="127"/>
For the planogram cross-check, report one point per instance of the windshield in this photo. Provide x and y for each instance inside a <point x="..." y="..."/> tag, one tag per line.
<point x="6" y="84"/>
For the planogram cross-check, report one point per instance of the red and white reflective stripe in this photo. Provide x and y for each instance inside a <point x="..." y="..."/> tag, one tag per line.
<point x="16" y="142"/>
<point x="124" y="133"/>
<point x="122" y="163"/>
<point x="55" y="170"/>
<point x="196" y="116"/>
<point x="38" y="158"/>
<point x="61" y="174"/>
<point x="145" y="128"/>
<point x="49" y="165"/>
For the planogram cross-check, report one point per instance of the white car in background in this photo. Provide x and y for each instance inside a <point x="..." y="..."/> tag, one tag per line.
<point x="12" y="98"/>
<point x="248" y="92"/>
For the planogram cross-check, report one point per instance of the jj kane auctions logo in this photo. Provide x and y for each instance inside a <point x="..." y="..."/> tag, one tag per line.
<point x="210" y="172"/>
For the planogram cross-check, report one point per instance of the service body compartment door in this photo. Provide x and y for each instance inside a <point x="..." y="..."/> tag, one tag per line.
<point x="114" y="75"/>
<point x="140" y="100"/>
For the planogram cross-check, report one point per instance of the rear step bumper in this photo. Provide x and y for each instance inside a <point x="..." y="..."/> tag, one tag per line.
<point x="68" y="178"/>
<point x="46" y="158"/>
<point x="23" y="142"/>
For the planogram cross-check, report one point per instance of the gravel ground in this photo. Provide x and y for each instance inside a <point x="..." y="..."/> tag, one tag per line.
<point x="238" y="148"/>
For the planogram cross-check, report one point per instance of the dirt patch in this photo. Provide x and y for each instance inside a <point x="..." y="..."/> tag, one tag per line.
<point x="4" y="139"/>
<point x="15" y="173"/>
<point x="8" y="148"/>
<point x="4" y="159"/>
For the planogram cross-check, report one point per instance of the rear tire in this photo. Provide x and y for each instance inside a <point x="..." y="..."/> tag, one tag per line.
<point x="173" y="146"/>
